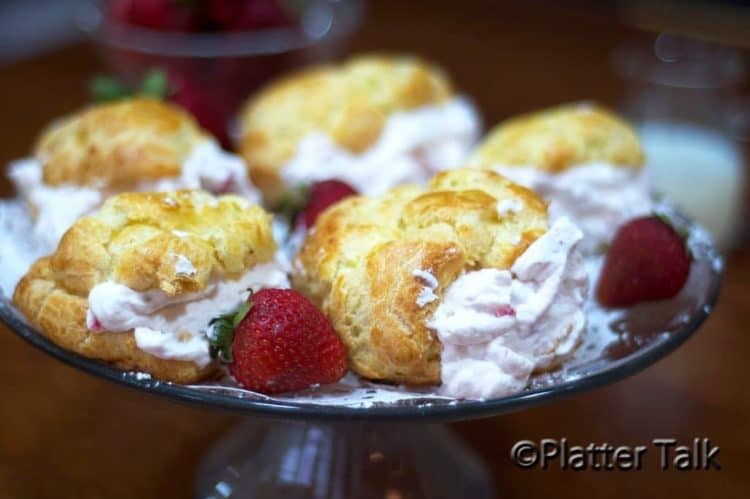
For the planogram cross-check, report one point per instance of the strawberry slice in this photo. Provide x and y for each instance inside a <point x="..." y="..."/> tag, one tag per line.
<point x="278" y="342"/>
<point x="647" y="261"/>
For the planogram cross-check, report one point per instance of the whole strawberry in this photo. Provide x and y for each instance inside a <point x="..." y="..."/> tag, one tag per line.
<point x="322" y="195"/>
<point x="648" y="260"/>
<point x="279" y="342"/>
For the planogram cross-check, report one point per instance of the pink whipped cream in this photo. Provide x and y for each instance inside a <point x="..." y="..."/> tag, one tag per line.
<point x="499" y="326"/>
<point x="413" y="146"/>
<point x="176" y="327"/>
<point x="598" y="197"/>
<point x="56" y="208"/>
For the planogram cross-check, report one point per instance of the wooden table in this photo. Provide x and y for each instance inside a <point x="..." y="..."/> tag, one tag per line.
<point x="67" y="434"/>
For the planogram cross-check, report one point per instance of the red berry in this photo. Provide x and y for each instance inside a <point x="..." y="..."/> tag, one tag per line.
<point x="209" y="106"/>
<point x="223" y="12"/>
<point x="284" y="344"/>
<point x="161" y="15"/>
<point x="240" y="15"/>
<point x="322" y="195"/>
<point x="119" y="10"/>
<point x="647" y="261"/>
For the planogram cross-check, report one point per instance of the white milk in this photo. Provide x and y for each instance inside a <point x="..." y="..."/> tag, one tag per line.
<point x="701" y="170"/>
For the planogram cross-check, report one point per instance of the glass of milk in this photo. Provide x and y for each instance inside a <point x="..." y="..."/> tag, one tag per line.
<point x="679" y="96"/>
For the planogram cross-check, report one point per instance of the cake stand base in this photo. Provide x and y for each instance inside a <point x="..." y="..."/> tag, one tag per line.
<point x="312" y="459"/>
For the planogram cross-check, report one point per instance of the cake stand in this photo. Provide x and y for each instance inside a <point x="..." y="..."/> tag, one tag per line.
<point x="372" y="449"/>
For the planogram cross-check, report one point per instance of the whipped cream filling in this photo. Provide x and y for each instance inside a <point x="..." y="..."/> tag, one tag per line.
<point x="175" y="327"/>
<point x="413" y="146"/>
<point x="184" y="266"/>
<point x="56" y="208"/>
<point x="498" y="326"/>
<point x="211" y="168"/>
<point x="598" y="197"/>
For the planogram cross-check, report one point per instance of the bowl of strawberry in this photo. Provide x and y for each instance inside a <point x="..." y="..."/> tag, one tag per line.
<point x="216" y="52"/>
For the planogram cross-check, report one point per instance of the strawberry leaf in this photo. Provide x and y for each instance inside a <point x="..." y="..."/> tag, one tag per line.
<point x="155" y="84"/>
<point x="292" y="202"/>
<point x="220" y="338"/>
<point x="107" y="89"/>
<point x="241" y="313"/>
<point x="221" y="332"/>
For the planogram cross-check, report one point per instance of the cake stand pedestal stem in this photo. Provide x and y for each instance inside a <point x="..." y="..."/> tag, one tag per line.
<point x="342" y="460"/>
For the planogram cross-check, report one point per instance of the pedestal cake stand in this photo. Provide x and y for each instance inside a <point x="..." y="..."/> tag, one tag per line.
<point x="380" y="442"/>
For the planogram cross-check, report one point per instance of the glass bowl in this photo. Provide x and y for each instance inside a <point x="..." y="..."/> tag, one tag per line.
<point x="212" y="73"/>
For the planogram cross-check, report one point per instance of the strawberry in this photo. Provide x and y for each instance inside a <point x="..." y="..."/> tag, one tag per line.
<point x="209" y="105"/>
<point x="241" y="15"/>
<point x="161" y="15"/>
<point x="278" y="342"/>
<point x="322" y="195"/>
<point x="648" y="260"/>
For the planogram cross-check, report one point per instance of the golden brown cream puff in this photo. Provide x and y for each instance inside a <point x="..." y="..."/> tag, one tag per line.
<point x="374" y="121"/>
<point x="582" y="158"/>
<point x="137" y="282"/>
<point x="137" y="144"/>
<point x="460" y="280"/>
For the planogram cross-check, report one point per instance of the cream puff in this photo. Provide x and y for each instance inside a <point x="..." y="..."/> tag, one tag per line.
<point x="581" y="157"/>
<point x="137" y="282"/>
<point x="135" y="144"/>
<point x="373" y="122"/>
<point x="461" y="283"/>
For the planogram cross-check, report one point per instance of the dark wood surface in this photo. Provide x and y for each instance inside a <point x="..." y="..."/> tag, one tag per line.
<point x="66" y="434"/>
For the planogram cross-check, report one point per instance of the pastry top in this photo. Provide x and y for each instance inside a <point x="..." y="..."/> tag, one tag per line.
<point x="136" y="239"/>
<point x="349" y="102"/>
<point x="118" y="144"/>
<point x="375" y="264"/>
<point x="556" y="139"/>
<point x="139" y="240"/>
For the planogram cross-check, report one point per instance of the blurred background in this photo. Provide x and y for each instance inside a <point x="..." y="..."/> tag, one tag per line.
<point x="677" y="69"/>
